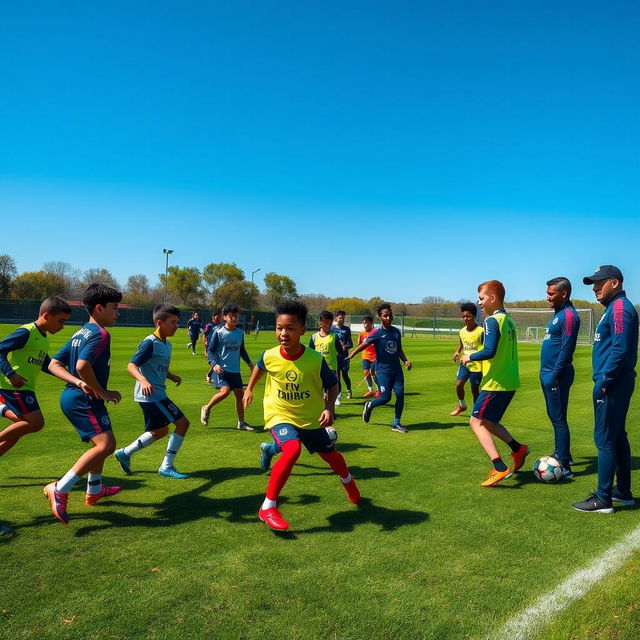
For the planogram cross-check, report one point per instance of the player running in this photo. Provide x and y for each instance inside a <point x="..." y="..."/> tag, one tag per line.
<point x="294" y="399"/>
<point x="471" y="340"/>
<point x="389" y="354"/>
<point x="87" y="355"/>
<point x="368" y="358"/>
<point x="150" y="367"/>
<point x="225" y="349"/>
<point x="500" y="379"/>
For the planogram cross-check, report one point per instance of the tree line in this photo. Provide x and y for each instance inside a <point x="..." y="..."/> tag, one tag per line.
<point x="214" y="286"/>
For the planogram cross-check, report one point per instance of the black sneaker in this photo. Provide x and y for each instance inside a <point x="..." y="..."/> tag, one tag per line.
<point x="622" y="498"/>
<point x="593" y="504"/>
<point x="366" y="412"/>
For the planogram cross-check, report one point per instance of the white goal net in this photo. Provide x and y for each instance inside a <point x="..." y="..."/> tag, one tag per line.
<point x="532" y="323"/>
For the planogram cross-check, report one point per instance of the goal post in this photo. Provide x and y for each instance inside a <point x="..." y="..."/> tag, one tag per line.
<point x="531" y="323"/>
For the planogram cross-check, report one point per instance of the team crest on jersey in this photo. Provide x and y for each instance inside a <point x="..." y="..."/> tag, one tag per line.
<point x="283" y="432"/>
<point x="291" y="375"/>
<point x="30" y="400"/>
<point x="555" y="321"/>
<point x="391" y="347"/>
<point x="105" y="420"/>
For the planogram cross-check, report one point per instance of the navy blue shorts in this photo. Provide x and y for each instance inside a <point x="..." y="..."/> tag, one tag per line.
<point x="474" y="377"/>
<point x="88" y="416"/>
<point x="343" y="364"/>
<point x="227" y="379"/>
<point x="369" y="365"/>
<point x="159" y="414"/>
<point x="20" y="402"/>
<point x="314" y="440"/>
<point x="491" y="405"/>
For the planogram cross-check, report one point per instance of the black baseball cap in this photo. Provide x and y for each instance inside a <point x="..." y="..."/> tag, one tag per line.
<point x="604" y="272"/>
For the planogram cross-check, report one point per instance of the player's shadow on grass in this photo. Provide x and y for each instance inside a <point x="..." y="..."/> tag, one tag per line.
<point x="185" y="506"/>
<point x="427" y="426"/>
<point x="360" y="473"/>
<point x="353" y="446"/>
<point x="366" y="512"/>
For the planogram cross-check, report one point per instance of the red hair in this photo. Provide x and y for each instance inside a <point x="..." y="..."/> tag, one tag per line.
<point x="493" y="286"/>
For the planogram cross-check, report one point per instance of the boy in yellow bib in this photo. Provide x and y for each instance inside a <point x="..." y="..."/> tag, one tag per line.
<point x="23" y="355"/>
<point x="500" y="379"/>
<point x="471" y="341"/>
<point x="293" y="400"/>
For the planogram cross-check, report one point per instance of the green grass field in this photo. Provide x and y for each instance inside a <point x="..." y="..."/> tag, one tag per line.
<point x="429" y="553"/>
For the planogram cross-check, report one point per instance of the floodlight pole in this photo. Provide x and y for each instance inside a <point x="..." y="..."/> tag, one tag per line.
<point x="253" y="273"/>
<point x="167" y="252"/>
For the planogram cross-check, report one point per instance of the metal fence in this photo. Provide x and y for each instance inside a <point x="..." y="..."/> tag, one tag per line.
<point x="23" y="311"/>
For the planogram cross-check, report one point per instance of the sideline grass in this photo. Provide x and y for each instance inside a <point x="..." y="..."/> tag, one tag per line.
<point x="429" y="555"/>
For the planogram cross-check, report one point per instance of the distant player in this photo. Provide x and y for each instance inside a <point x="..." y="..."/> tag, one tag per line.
<point x="216" y="321"/>
<point x="368" y="358"/>
<point x="389" y="356"/>
<point x="344" y="344"/>
<point x="326" y="342"/>
<point x="23" y="354"/>
<point x="471" y="340"/>
<point x="294" y="399"/>
<point x="150" y="367"/>
<point x="225" y="349"/>
<point x="193" y="329"/>
<point x="500" y="379"/>
<point x="556" y="368"/>
<point x="87" y="355"/>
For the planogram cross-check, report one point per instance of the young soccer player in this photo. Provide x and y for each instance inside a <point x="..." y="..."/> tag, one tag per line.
<point x="326" y="342"/>
<point x="293" y="400"/>
<point x="344" y="344"/>
<point x="368" y="358"/>
<point x="87" y="355"/>
<point x="226" y="347"/>
<point x="500" y="379"/>
<point x="216" y="321"/>
<point x="471" y="339"/>
<point x="150" y="367"/>
<point x="193" y="328"/>
<point x="389" y="354"/>
<point x="23" y="354"/>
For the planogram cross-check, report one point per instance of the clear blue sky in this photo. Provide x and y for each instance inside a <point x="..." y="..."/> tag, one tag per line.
<point x="399" y="149"/>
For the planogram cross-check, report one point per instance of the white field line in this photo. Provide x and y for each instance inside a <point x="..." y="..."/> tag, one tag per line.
<point x="529" y="622"/>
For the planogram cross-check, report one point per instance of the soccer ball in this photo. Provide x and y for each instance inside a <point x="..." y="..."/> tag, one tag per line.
<point x="547" y="469"/>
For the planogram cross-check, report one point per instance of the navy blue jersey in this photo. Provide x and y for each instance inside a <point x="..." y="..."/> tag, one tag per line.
<point x="91" y="343"/>
<point x="193" y="326"/>
<point x="388" y="343"/>
<point x="615" y="347"/>
<point x="560" y="341"/>
<point x="344" y="337"/>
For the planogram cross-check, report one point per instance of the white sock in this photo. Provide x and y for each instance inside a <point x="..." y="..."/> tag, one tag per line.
<point x="175" y="442"/>
<point x="369" y="384"/>
<point x="94" y="483"/>
<point x="462" y="403"/>
<point x="268" y="504"/>
<point x="240" y="422"/>
<point x="346" y="480"/>
<point x="140" y="443"/>
<point x="65" y="484"/>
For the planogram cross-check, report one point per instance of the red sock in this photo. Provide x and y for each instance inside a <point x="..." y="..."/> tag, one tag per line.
<point x="282" y="468"/>
<point x="337" y="462"/>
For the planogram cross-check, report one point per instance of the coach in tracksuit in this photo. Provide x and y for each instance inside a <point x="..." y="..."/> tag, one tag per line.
<point x="615" y="352"/>
<point x="556" y="368"/>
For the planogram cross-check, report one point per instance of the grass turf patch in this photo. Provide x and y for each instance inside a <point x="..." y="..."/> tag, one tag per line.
<point x="429" y="553"/>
